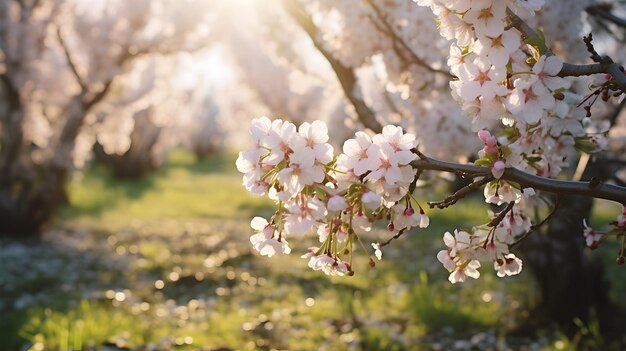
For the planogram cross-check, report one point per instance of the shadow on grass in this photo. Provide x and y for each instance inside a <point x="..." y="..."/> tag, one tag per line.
<point x="216" y="163"/>
<point x="104" y="191"/>
<point x="99" y="191"/>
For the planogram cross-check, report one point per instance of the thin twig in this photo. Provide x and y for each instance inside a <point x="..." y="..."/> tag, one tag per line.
<point x="497" y="219"/>
<point x="535" y="227"/>
<point x="461" y="193"/>
<point x="571" y="70"/>
<point x="396" y="40"/>
<point x="402" y="231"/>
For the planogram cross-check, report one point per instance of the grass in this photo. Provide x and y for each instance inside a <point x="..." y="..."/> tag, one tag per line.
<point x="165" y="262"/>
<point x="182" y="190"/>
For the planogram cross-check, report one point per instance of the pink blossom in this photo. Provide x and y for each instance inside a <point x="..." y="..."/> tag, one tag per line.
<point x="498" y="169"/>
<point x="508" y="265"/>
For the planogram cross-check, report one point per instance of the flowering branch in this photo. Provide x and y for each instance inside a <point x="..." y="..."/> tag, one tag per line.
<point x="526" y="180"/>
<point x="606" y="65"/>
<point x="373" y="178"/>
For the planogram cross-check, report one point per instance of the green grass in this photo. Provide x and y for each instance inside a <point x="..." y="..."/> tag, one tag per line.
<point x="186" y="227"/>
<point x="183" y="190"/>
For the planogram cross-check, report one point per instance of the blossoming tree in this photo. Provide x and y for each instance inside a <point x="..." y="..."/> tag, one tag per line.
<point x="65" y="66"/>
<point x="528" y="108"/>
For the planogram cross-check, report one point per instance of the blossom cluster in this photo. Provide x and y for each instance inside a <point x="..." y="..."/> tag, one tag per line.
<point x="502" y="77"/>
<point x="490" y="243"/>
<point x="336" y="197"/>
<point x="339" y="198"/>
<point x="505" y="79"/>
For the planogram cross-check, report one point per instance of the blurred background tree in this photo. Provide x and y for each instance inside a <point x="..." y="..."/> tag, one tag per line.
<point x="75" y="72"/>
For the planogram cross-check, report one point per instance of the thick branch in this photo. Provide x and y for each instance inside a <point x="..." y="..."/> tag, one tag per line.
<point x="345" y="75"/>
<point x="527" y="180"/>
<point x="571" y="70"/>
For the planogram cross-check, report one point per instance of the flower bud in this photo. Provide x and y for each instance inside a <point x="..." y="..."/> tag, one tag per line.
<point x="620" y="260"/>
<point x="391" y="227"/>
<point x="372" y="263"/>
<point x="409" y="211"/>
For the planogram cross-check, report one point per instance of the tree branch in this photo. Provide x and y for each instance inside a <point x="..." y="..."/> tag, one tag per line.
<point x="572" y="70"/>
<point x="500" y="217"/>
<point x="345" y="75"/>
<point x="461" y="193"/>
<point x="386" y="28"/>
<point x="535" y="227"/>
<point x="70" y="61"/>
<point x="527" y="180"/>
<point x="601" y="10"/>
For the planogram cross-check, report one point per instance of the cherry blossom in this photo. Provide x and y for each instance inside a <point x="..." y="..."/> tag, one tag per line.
<point x="316" y="137"/>
<point x="301" y="171"/>
<point x="547" y="68"/>
<point x="592" y="238"/>
<point x="469" y="269"/>
<point x="359" y="154"/>
<point x="479" y="78"/>
<point x="508" y="265"/>
<point x="304" y="216"/>
<point x="530" y="99"/>
<point x="264" y="241"/>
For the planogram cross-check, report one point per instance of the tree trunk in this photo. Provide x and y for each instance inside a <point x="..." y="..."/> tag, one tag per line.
<point x="30" y="191"/>
<point x="571" y="282"/>
<point x="29" y="198"/>
<point x="139" y="159"/>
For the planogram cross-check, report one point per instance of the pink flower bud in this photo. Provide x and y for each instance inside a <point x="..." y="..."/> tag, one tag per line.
<point x="498" y="169"/>
<point x="484" y="135"/>
<point x="490" y="150"/>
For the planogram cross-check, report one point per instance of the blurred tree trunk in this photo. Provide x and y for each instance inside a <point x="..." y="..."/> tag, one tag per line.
<point x="32" y="186"/>
<point x="31" y="191"/>
<point x="139" y="159"/>
<point x="571" y="284"/>
<point x="205" y="149"/>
